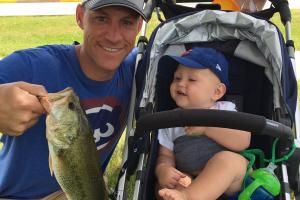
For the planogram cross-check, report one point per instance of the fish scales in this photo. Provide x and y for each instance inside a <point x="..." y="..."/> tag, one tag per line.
<point x="73" y="156"/>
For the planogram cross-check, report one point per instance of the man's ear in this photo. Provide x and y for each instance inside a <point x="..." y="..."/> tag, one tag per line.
<point x="140" y="24"/>
<point x="219" y="91"/>
<point x="79" y="15"/>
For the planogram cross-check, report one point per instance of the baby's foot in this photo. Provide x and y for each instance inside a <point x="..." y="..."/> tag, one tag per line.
<point x="171" y="194"/>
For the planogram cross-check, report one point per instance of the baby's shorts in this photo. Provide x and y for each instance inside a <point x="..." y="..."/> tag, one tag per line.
<point x="193" y="152"/>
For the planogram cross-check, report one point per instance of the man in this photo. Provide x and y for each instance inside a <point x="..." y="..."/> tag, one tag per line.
<point x="100" y="70"/>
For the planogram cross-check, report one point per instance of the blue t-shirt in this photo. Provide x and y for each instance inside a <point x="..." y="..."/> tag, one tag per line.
<point x="24" y="166"/>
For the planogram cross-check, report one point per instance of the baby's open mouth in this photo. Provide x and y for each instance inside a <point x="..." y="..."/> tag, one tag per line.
<point x="181" y="93"/>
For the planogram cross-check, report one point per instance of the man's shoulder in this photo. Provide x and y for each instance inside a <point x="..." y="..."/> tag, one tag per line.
<point x="131" y="57"/>
<point x="45" y="50"/>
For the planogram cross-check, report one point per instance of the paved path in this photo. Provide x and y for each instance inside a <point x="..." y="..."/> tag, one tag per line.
<point x="46" y="8"/>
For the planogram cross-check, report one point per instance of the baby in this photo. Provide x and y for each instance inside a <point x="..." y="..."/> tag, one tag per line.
<point x="208" y="156"/>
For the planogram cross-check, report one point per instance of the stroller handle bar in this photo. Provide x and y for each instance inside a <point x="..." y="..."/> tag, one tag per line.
<point x="148" y="8"/>
<point x="282" y="6"/>
<point x="284" y="10"/>
<point x="214" y="118"/>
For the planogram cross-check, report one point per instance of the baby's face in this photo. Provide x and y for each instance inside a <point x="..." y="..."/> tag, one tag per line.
<point x="194" y="88"/>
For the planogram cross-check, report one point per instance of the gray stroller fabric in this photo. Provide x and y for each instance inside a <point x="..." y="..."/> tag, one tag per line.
<point x="260" y="44"/>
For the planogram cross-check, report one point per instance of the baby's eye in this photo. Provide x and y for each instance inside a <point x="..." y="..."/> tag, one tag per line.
<point x="192" y="79"/>
<point x="177" y="78"/>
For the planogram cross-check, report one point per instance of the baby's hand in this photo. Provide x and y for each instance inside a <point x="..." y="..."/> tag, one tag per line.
<point x="195" y="130"/>
<point x="170" y="177"/>
<point x="185" y="182"/>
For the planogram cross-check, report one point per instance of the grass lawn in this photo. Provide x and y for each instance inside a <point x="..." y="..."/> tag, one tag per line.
<point x="30" y="31"/>
<point x="24" y="32"/>
<point x="16" y="35"/>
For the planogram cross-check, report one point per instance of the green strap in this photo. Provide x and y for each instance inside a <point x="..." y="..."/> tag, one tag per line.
<point x="251" y="154"/>
<point x="259" y="153"/>
<point x="283" y="158"/>
<point x="251" y="157"/>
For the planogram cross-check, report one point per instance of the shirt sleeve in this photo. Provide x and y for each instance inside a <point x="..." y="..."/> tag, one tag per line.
<point x="15" y="67"/>
<point x="164" y="138"/>
<point x="224" y="105"/>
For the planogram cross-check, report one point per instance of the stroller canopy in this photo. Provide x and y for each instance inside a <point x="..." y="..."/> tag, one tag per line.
<point x="261" y="43"/>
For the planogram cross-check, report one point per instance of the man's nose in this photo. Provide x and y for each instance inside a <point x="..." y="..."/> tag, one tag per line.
<point x="114" y="33"/>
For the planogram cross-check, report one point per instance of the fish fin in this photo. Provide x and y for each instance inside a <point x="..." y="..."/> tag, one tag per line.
<point x="50" y="165"/>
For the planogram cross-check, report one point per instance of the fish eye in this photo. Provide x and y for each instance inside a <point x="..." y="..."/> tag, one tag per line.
<point x="71" y="106"/>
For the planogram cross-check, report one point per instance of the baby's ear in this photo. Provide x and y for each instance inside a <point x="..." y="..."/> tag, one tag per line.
<point x="219" y="92"/>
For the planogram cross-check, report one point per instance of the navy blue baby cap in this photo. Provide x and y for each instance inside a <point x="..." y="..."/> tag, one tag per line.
<point x="200" y="58"/>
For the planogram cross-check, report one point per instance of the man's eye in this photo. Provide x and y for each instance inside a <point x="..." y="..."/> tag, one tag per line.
<point x="101" y="18"/>
<point x="127" y="22"/>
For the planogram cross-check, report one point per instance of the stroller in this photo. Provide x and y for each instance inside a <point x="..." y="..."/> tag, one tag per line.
<point x="263" y="86"/>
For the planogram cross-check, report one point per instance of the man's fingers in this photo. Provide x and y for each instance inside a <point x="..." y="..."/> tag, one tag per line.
<point x="32" y="122"/>
<point x="20" y="128"/>
<point x="36" y="90"/>
<point x="22" y="106"/>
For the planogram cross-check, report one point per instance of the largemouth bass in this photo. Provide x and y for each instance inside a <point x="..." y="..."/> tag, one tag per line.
<point x="73" y="157"/>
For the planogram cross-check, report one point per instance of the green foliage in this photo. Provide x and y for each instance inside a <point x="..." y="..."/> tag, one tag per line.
<point x="114" y="167"/>
<point x="1" y="145"/>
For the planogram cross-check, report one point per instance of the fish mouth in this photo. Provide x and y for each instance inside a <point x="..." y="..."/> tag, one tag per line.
<point x="47" y="101"/>
<point x="44" y="100"/>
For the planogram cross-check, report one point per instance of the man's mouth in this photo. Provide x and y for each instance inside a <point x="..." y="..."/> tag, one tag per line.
<point x="111" y="49"/>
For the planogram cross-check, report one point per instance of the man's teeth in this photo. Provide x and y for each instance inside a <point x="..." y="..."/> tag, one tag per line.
<point x="110" y="49"/>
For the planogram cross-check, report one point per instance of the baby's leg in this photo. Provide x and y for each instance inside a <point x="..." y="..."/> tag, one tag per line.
<point x="224" y="173"/>
<point x="165" y="193"/>
<point x="172" y="194"/>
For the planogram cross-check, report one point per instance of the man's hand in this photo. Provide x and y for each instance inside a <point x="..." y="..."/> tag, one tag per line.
<point x="20" y="107"/>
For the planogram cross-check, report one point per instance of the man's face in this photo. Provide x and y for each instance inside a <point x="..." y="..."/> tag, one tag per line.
<point x="109" y="35"/>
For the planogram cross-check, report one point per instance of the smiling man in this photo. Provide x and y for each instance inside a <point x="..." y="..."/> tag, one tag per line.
<point x="100" y="70"/>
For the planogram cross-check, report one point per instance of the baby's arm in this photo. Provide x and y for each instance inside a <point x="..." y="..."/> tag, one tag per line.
<point x="235" y="140"/>
<point x="195" y="130"/>
<point x="166" y="173"/>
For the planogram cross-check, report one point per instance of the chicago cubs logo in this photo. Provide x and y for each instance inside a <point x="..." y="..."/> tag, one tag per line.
<point x="106" y="118"/>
